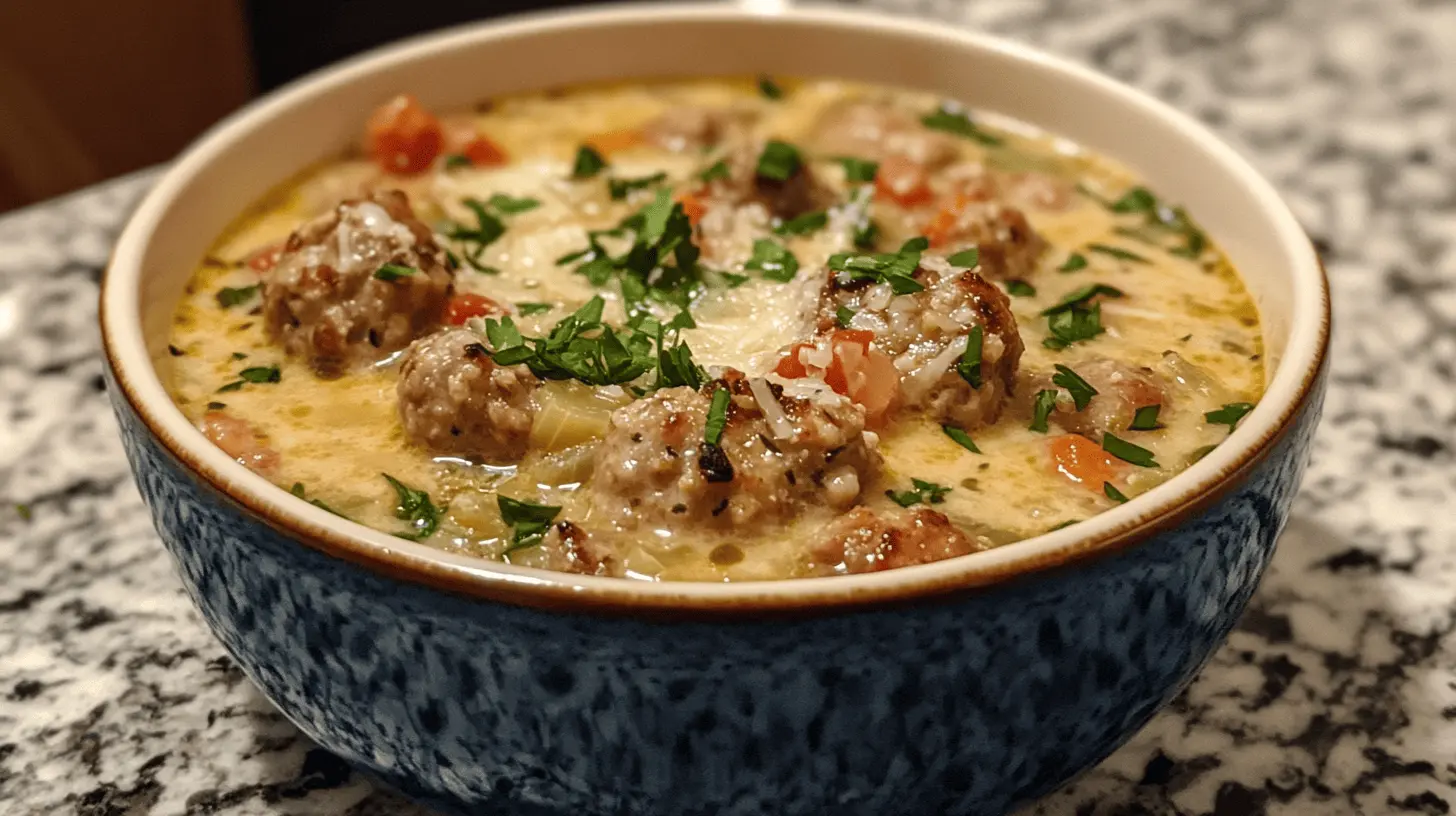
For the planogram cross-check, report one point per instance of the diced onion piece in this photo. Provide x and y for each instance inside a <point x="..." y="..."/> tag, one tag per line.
<point x="778" y="421"/>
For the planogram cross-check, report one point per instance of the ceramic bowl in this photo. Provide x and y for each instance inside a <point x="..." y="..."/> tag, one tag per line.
<point x="960" y="687"/>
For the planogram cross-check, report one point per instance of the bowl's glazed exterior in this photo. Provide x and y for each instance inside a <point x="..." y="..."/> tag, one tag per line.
<point x="959" y="688"/>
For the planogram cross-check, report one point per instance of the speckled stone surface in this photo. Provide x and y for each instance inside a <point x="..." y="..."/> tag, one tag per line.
<point x="1337" y="693"/>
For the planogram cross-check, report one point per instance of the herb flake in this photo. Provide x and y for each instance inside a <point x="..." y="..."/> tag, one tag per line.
<point x="960" y="437"/>
<point x="1046" y="402"/>
<point x="1081" y="391"/>
<point x="717" y="417"/>
<point x="957" y="122"/>
<point x="1145" y="418"/>
<point x="779" y="161"/>
<point x="1229" y="414"/>
<point x="392" y="272"/>
<point x="415" y="507"/>
<point x="588" y="163"/>
<point x="774" y="260"/>
<point x="1127" y="451"/>
<point x="922" y="492"/>
<point x="230" y="296"/>
<point x="528" y="521"/>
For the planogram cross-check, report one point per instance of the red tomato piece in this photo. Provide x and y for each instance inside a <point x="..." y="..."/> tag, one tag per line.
<point x="265" y="258"/>
<point x="466" y="305"/>
<point x="903" y="182"/>
<point x="402" y="137"/>
<point x="483" y="152"/>
<point x="1083" y="461"/>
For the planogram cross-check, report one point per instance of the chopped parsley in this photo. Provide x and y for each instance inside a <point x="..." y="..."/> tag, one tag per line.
<point x="804" y="224"/>
<point x="922" y="492"/>
<point x="675" y="367"/>
<point x="774" y="260"/>
<point x="717" y="417"/>
<point x="779" y="161"/>
<point x="621" y="188"/>
<point x="528" y="521"/>
<point x="858" y="171"/>
<point x="261" y="374"/>
<point x="457" y="160"/>
<point x="230" y="296"/>
<point x="662" y="232"/>
<point x="1158" y="216"/>
<point x="843" y="315"/>
<point x="588" y="163"/>
<point x="1199" y="453"/>
<point x="952" y="120"/>
<point x="966" y="258"/>
<point x="895" y="268"/>
<point x="1020" y="288"/>
<point x="733" y="280"/>
<point x="1229" y="414"/>
<point x="509" y="205"/>
<point x="528" y="309"/>
<point x="298" y="491"/>
<point x="1064" y="525"/>
<point x="1145" y="418"/>
<point x="1117" y="252"/>
<point x="415" y="507"/>
<point x="969" y="366"/>
<point x="866" y="234"/>
<point x="718" y="170"/>
<point x="1046" y="400"/>
<point x="25" y="512"/>
<point x="1081" y="297"/>
<point x="579" y="347"/>
<point x="1082" y="391"/>
<point x="487" y="230"/>
<point x="232" y="386"/>
<point x="238" y="355"/>
<point x="394" y="271"/>
<point x="1127" y="451"/>
<point x="1113" y="493"/>
<point x="961" y="438"/>
<point x="1073" y="326"/>
<point x="1074" y="262"/>
<point x="769" y="88"/>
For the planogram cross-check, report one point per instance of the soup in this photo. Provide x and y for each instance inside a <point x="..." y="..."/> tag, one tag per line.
<point x="720" y="329"/>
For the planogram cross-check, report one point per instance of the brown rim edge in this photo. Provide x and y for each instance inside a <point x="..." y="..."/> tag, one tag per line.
<point x="563" y="598"/>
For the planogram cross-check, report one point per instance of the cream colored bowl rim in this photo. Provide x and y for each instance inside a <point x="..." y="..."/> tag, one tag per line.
<point x="1158" y="510"/>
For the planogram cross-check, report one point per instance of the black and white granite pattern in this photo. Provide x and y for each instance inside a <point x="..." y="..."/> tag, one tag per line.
<point x="1337" y="693"/>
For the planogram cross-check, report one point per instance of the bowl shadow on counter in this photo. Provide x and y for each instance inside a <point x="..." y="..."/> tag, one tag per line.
<point x="1302" y="633"/>
<point x="1318" y="656"/>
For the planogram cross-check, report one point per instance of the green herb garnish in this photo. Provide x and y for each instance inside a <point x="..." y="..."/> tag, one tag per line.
<point x="961" y="438"/>
<point x="1046" y="401"/>
<point x="717" y="417"/>
<point x="393" y="272"/>
<point x="261" y="374"/>
<point x="528" y="309"/>
<point x="509" y="205"/>
<point x="1074" y="262"/>
<point x="1145" y="418"/>
<point x="896" y="269"/>
<point x="528" y="521"/>
<point x="1127" y="451"/>
<point x="1117" y="252"/>
<point x="232" y="386"/>
<point x="733" y="280"/>
<point x="966" y="258"/>
<point x="774" y="260"/>
<point x="621" y="188"/>
<point x="415" y="507"/>
<point x="1082" y="391"/>
<point x="969" y="366"/>
<point x="1073" y="326"/>
<point x="779" y="161"/>
<point x="923" y="492"/>
<point x="804" y="224"/>
<point x="1199" y="453"/>
<point x="1020" y="288"/>
<point x="298" y="491"/>
<point x="1229" y="414"/>
<point x="1113" y="493"/>
<point x="718" y="170"/>
<point x="588" y="163"/>
<point x="843" y="315"/>
<point x="1081" y="297"/>
<point x="858" y="171"/>
<point x="958" y="122"/>
<point x="457" y="160"/>
<point x="769" y="88"/>
<point x="238" y="355"/>
<point x="230" y="296"/>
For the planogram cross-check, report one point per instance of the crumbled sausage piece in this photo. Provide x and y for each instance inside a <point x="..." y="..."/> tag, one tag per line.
<point x="654" y="466"/>
<point x="865" y="540"/>
<point x="323" y="302"/>
<point x="455" y="399"/>
<point x="1009" y="247"/>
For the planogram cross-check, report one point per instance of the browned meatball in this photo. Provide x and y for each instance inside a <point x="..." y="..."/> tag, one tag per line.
<point x="877" y="130"/>
<point x="927" y="333"/>
<point x="454" y="399"/>
<point x="691" y="127"/>
<point x="655" y="467"/>
<point x="1008" y="244"/>
<point x="322" y="300"/>
<point x="800" y="193"/>
<point x="865" y="540"/>
<point x="1121" y="390"/>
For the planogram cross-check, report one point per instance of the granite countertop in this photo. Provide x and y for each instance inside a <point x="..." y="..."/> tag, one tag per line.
<point x="1336" y="694"/>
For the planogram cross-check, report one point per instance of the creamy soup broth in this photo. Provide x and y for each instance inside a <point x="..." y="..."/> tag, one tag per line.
<point x="832" y="225"/>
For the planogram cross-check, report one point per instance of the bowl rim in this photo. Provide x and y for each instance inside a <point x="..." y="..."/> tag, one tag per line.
<point x="1163" y="508"/>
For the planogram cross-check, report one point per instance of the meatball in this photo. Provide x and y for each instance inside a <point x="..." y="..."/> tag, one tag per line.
<point x="693" y="128"/>
<point x="865" y="540"/>
<point x="322" y="299"/>
<point x="454" y="399"/>
<point x="927" y="332"/>
<point x="878" y="130"/>
<point x="800" y="193"/>
<point x="1009" y="246"/>
<point x="655" y="467"/>
<point x="1121" y="390"/>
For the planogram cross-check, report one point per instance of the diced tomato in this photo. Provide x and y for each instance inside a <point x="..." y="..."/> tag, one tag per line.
<point x="945" y="224"/>
<point x="903" y="182"/>
<point x="265" y="258"/>
<point x="693" y="207"/>
<point x="466" y="305"/>
<point x="483" y="152"/>
<point x="402" y="137"/>
<point x="1083" y="461"/>
<point x="613" y="141"/>
<point x="856" y="369"/>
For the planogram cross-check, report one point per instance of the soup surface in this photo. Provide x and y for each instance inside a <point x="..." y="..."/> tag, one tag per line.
<point x="719" y="329"/>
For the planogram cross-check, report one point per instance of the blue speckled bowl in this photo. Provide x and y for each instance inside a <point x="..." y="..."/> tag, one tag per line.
<point x="960" y="687"/>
